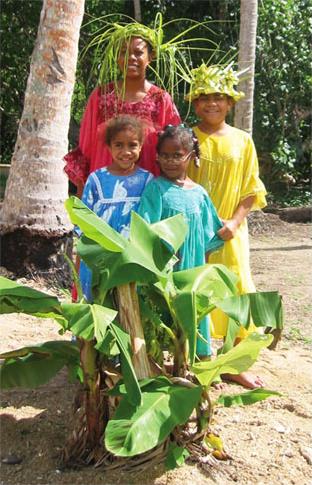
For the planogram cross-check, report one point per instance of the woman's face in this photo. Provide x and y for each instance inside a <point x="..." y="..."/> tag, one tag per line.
<point x="136" y="54"/>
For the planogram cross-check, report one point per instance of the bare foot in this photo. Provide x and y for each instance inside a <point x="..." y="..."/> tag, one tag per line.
<point x="245" y="379"/>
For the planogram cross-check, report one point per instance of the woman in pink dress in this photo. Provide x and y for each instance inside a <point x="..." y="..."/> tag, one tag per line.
<point x="133" y="95"/>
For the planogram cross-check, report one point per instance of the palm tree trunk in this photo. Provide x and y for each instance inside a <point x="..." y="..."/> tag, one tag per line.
<point x="137" y="10"/>
<point x="37" y="186"/>
<point x="247" y="54"/>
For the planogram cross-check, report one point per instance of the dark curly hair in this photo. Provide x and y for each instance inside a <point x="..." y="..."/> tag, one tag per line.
<point x="184" y="135"/>
<point x="123" y="122"/>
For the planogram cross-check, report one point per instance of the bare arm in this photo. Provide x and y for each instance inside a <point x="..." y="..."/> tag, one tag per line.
<point x="230" y="226"/>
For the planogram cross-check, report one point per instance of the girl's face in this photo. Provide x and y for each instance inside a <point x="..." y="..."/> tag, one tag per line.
<point x="125" y="148"/>
<point x="173" y="159"/>
<point x="137" y="54"/>
<point x="212" y="109"/>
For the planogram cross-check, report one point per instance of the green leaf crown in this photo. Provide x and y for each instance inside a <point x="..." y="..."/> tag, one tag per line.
<point x="214" y="79"/>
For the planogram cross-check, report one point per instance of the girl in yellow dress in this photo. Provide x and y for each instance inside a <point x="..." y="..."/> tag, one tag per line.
<point x="229" y="172"/>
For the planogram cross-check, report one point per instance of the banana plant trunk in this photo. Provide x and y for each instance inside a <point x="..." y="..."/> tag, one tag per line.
<point x="91" y="373"/>
<point x="130" y="319"/>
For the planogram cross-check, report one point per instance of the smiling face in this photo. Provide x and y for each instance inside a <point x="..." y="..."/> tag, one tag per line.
<point x="125" y="148"/>
<point x="173" y="159"/>
<point x="137" y="55"/>
<point x="212" y="109"/>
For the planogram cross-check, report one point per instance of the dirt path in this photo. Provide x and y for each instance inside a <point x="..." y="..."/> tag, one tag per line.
<point x="269" y="443"/>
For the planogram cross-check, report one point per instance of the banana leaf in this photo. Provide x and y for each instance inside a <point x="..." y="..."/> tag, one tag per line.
<point x="134" y="430"/>
<point x="96" y="322"/>
<point x="33" y="366"/>
<point x="195" y="291"/>
<point x="246" y="398"/>
<point x="143" y="258"/>
<point x="263" y="309"/>
<point x="176" y="456"/>
<point x="235" y="361"/>
<point x="16" y="298"/>
<point x="88" y="321"/>
<point x="129" y="375"/>
<point x="93" y="226"/>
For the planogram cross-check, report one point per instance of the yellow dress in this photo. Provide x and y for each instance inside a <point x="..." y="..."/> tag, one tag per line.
<point x="229" y="172"/>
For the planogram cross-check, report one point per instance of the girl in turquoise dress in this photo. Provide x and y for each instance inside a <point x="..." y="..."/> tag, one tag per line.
<point x="175" y="193"/>
<point x="114" y="191"/>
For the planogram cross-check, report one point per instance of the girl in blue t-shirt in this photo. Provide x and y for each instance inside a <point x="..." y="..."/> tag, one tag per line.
<point x="174" y="193"/>
<point x="114" y="191"/>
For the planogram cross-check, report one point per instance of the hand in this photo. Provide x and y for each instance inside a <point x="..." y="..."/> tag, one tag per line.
<point x="228" y="230"/>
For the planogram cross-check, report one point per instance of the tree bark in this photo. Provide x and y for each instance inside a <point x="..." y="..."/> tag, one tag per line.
<point x="137" y="10"/>
<point x="247" y="55"/>
<point x="37" y="186"/>
<point x="130" y="320"/>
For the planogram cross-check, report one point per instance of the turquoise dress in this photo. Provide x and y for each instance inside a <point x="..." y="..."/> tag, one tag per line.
<point x="162" y="199"/>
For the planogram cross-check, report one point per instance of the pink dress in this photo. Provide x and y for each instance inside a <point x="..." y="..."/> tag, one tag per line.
<point x="156" y="110"/>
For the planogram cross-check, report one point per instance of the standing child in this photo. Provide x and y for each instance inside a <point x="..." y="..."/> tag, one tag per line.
<point x="174" y="193"/>
<point x="114" y="191"/>
<point x="230" y="174"/>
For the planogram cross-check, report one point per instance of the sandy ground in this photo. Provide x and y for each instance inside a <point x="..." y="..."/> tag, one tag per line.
<point x="269" y="442"/>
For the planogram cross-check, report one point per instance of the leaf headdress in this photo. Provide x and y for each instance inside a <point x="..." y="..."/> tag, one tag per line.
<point x="214" y="79"/>
<point x="172" y="58"/>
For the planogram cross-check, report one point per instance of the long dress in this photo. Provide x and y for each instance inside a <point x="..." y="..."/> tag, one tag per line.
<point x="112" y="198"/>
<point x="229" y="172"/>
<point x="162" y="199"/>
<point x="156" y="110"/>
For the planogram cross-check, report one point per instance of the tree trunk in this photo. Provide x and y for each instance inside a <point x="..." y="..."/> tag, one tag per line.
<point x="37" y="187"/>
<point x="137" y="10"/>
<point x="130" y="320"/>
<point x="247" y="54"/>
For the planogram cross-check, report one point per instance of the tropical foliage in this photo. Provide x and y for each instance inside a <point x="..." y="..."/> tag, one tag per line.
<point x="101" y="357"/>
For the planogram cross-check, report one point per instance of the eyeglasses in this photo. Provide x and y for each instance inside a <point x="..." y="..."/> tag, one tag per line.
<point x="175" y="157"/>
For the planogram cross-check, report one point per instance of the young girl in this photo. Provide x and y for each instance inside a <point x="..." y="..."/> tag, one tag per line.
<point x="134" y="46"/>
<point x="174" y="193"/>
<point x="114" y="191"/>
<point x="230" y="174"/>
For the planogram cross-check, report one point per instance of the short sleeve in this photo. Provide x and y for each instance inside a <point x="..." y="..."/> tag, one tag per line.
<point x="252" y="184"/>
<point x="212" y="224"/>
<point x="90" y="195"/>
<point x="150" y="207"/>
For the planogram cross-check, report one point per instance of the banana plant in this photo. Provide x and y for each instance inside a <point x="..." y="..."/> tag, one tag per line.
<point x="170" y="302"/>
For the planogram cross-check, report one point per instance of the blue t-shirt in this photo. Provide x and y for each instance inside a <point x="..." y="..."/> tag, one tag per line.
<point x="112" y="198"/>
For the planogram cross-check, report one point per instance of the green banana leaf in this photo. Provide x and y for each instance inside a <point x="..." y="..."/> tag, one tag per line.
<point x="176" y="456"/>
<point x="87" y="321"/>
<point x="195" y="290"/>
<point x="129" y="375"/>
<point x="33" y="366"/>
<point x="264" y="309"/>
<point x="235" y="361"/>
<point x="120" y="388"/>
<point x="93" y="226"/>
<point x="16" y="298"/>
<point x="246" y="398"/>
<point x="134" y="430"/>
<point x="143" y="258"/>
<point x="184" y="306"/>
<point x="92" y="321"/>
